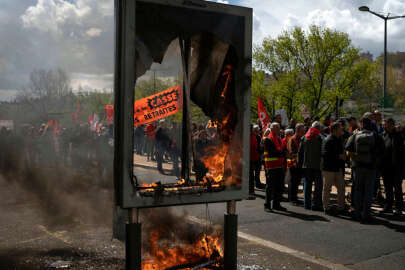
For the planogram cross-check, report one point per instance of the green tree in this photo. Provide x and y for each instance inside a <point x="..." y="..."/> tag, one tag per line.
<point x="95" y="101"/>
<point x="312" y="68"/>
<point x="261" y="89"/>
<point x="395" y="89"/>
<point x="288" y="92"/>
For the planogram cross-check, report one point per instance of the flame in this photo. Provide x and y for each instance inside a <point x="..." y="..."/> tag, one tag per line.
<point x="181" y="182"/>
<point x="228" y="73"/>
<point x="212" y="124"/>
<point x="215" y="158"/>
<point x="215" y="163"/>
<point x="162" y="255"/>
<point x="149" y="185"/>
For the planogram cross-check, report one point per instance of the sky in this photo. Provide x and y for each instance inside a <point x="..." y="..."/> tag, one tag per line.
<point x="78" y="35"/>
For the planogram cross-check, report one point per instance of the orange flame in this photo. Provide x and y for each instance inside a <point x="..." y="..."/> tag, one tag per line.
<point x="216" y="163"/>
<point x="162" y="255"/>
<point x="181" y="182"/>
<point x="149" y="185"/>
<point x="228" y="73"/>
<point x="216" y="156"/>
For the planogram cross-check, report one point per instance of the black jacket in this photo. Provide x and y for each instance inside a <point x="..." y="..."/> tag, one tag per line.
<point x="394" y="150"/>
<point x="332" y="147"/>
<point x="310" y="153"/>
<point x="378" y="149"/>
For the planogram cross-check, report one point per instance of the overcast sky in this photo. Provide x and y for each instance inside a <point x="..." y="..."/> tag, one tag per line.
<point x="77" y="35"/>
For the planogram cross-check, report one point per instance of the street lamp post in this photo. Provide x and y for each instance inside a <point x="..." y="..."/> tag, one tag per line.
<point x="385" y="18"/>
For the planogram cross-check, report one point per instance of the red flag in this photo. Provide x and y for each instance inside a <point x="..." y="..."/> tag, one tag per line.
<point x="109" y="112"/>
<point x="91" y="117"/>
<point x="50" y="123"/>
<point x="262" y="113"/>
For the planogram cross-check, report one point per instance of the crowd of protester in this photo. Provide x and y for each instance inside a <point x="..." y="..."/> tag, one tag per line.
<point x="320" y="154"/>
<point x="314" y="154"/>
<point x="160" y="141"/>
<point x="49" y="145"/>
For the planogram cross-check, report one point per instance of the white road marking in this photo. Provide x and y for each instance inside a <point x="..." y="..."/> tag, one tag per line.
<point x="58" y="235"/>
<point x="296" y="253"/>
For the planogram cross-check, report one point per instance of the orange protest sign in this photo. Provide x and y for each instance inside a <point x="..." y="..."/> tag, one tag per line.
<point x="158" y="106"/>
<point x="155" y="107"/>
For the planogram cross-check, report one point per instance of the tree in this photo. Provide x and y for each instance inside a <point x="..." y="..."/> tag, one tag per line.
<point x="288" y="91"/>
<point x="94" y="101"/>
<point x="368" y="93"/>
<point x="48" y="93"/>
<point x="261" y="88"/>
<point x="396" y="89"/>
<point x="320" y="65"/>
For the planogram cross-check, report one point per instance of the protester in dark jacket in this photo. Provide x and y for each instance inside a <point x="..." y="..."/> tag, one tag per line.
<point x="255" y="163"/>
<point x="364" y="147"/>
<point x="333" y="166"/>
<point x="309" y="158"/>
<point x="163" y="143"/>
<point x="393" y="162"/>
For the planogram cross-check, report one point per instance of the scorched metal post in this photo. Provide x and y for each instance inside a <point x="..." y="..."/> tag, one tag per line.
<point x="230" y="236"/>
<point x="133" y="243"/>
<point x="185" y="47"/>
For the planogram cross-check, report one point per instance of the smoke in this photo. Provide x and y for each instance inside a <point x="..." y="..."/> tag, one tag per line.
<point x="62" y="194"/>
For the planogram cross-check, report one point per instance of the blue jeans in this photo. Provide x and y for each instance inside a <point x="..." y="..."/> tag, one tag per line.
<point x="364" y="187"/>
<point x="313" y="176"/>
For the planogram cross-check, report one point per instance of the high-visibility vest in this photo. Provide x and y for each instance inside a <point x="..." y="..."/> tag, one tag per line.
<point x="272" y="162"/>
<point x="292" y="162"/>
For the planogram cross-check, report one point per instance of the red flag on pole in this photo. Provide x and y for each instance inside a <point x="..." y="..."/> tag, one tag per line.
<point x="109" y="112"/>
<point x="262" y="113"/>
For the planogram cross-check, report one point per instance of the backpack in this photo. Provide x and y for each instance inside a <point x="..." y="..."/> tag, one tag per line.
<point x="365" y="147"/>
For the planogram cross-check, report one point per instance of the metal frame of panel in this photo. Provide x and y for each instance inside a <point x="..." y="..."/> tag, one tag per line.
<point x="125" y="63"/>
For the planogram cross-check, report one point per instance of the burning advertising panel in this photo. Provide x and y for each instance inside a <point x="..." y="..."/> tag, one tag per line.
<point x="185" y="139"/>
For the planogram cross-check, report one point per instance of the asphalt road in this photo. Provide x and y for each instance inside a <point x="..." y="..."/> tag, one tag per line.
<point x="30" y="240"/>
<point x="337" y="240"/>
<point x="296" y="239"/>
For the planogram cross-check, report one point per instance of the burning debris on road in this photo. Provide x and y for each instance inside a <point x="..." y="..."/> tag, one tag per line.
<point x="175" y="244"/>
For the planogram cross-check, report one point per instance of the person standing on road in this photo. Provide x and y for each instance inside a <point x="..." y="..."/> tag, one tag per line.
<point x="254" y="174"/>
<point x="309" y="158"/>
<point x="364" y="147"/>
<point x="163" y="143"/>
<point x="333" y="164"/>
<point x="150" y="131"/>
<point x="393" y="161"/>
<point x="292" y="165"/>
<point x="274" y="160"/>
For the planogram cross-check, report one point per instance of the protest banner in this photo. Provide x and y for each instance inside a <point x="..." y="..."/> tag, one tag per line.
<point x="157" y="106"/>
<point x="154" y="107"/>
